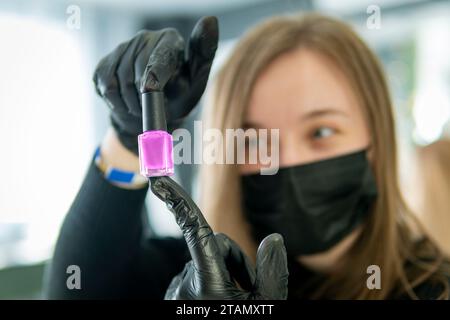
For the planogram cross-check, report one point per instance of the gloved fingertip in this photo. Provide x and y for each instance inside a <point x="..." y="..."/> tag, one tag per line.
<point x="158" y="187"/>
<point x="155" y="182"/>
<point x="205" y="37"/>
<point x="276" y="238"/>
<point x="207" y="25"/>
<point x="272" y="268"/>
<point x="211" y="28"/>
<point x="271" y="241"/>
<point x="272" y="252"/>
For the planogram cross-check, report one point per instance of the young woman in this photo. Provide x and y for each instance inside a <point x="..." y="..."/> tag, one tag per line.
<point x="335" y="199"/>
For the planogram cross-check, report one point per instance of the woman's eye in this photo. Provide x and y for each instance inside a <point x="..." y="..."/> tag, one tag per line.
<point x="323" y="132"/>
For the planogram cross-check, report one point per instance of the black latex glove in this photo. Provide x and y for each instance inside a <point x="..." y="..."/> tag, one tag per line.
<point x="152" y="60"/>
<point x="217" y="261"/>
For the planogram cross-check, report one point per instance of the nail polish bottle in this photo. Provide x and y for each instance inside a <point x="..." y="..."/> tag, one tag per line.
<point x="155" y="143"/>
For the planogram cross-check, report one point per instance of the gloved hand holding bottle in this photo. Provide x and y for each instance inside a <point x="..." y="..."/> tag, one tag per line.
<point x="218" y="264"/>
<point x="119" y="76"/>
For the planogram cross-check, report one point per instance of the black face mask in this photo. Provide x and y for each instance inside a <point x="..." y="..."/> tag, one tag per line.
<point x="314" y="205"/>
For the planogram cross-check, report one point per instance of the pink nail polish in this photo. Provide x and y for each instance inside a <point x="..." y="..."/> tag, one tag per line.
<point x="156" y="153"/>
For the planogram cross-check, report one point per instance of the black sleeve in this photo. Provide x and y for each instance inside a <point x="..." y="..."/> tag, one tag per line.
<point x="432" y="290"/>
<point x="102" y="235"/>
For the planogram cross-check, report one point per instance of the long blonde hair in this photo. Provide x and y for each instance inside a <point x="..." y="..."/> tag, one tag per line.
<point x="385" y="240"/>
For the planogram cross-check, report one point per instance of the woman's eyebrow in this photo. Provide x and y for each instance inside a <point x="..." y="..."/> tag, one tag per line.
<point x="323" y="112"/>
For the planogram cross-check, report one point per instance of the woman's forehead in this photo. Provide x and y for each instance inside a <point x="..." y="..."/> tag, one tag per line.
<point x="299" y="83"/>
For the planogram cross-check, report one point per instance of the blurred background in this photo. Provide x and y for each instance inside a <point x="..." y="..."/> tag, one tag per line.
<point x="51" y="119"/>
